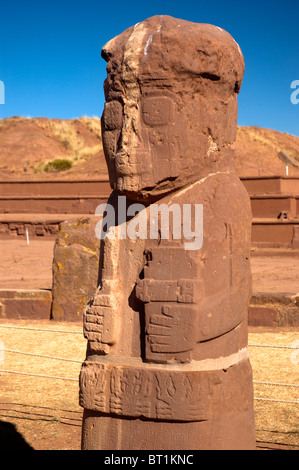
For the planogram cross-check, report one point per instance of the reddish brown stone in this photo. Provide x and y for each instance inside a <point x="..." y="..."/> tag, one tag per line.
<point x="167" y="326"/>
<point x="75" y="268"/>
<point x="21" y="303"/>
<point x="295" y="243"/>
<point x="187" y="101"/>
<point x="262" y="316"/>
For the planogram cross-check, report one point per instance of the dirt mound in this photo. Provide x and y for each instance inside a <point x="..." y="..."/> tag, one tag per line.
<point x="38" y="148"/>
<point x="30" y="148"/>
<point x="257" y="152"/>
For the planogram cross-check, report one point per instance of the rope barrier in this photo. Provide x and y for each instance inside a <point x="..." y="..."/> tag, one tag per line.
<point x="81" y="333"/>
<point x="76" y="380"/>
<point x="278" y="401"/>
<point x="279" y="384"/>
<point x="41" y="329"/>
<point x="272" y="346"/>
<point x="80" y="362"/>
<point x="40" y="355"/>
<point x="37" y="375"/>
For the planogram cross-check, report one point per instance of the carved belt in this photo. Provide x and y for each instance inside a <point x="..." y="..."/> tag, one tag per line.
<point x="188" y="393"/>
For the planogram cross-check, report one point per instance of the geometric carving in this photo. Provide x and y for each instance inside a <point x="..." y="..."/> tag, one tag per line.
<point x="162" y="324"/>
<point x="136" y="392"/>
<point x="150" y="290"/>
<point x="167" y="327"/>
<point x="154" y="393"/>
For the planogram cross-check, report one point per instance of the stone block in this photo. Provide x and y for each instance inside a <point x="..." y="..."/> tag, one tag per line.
<point x="75" y="268"/>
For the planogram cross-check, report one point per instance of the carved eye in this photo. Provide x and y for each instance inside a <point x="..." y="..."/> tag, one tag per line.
<point x="157" y="111"/>
<point x="112" y="115"/>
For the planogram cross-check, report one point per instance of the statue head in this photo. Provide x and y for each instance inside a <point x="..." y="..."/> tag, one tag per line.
<point x="170" y="114"/>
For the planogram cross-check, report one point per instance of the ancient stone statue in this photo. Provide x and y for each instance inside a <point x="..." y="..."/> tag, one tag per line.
<point x="167" y="363"/>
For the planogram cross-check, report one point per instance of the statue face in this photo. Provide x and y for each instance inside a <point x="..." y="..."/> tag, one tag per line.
<point x="153" y="156"/>
<point x="142" y="138"/>
<point x="168" y="115"/>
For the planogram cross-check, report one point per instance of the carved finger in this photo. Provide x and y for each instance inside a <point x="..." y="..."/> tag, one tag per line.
<point x="161" y="321"/>
<point x="94" y="327"/>
<point x="98" y="319"/>
<point x="159" y="348"/>
<point x="158" y="330"/>
<point x="160" y="339"/>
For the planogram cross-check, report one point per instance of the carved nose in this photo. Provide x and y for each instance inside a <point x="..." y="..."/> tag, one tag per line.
<point x="111" y="124"/>
<point x="113" y="115"/>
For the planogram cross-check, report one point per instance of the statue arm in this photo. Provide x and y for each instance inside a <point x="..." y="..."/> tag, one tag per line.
<point x="178" y="313"/>
<point x="100" y="319"/>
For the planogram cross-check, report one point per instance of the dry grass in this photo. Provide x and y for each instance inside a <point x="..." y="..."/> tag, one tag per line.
<point x="44" y="410"/>
<point x="67" y="134"/>
<point x="276" y="422"/>
<point x="46" y="413"/>
<point x="271" y="140"/>
<point x="94" y="124"/>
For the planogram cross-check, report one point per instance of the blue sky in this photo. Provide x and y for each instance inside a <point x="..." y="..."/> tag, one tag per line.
<point x="51" y="66"/>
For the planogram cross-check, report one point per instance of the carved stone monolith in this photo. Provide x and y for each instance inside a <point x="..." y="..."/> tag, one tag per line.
<point x="167" y="364"/>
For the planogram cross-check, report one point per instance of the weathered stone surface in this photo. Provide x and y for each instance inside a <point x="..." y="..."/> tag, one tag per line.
<point x="295" y="243"/>
<point x="268" y="309"/>
<point x="182" y="124"/>
<point x="75" y="268"/>
<point x="23" y="303"/>
<point x="229" y="431"/>
<point x="166" y="394"/>
<point x="167" y="325"/>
